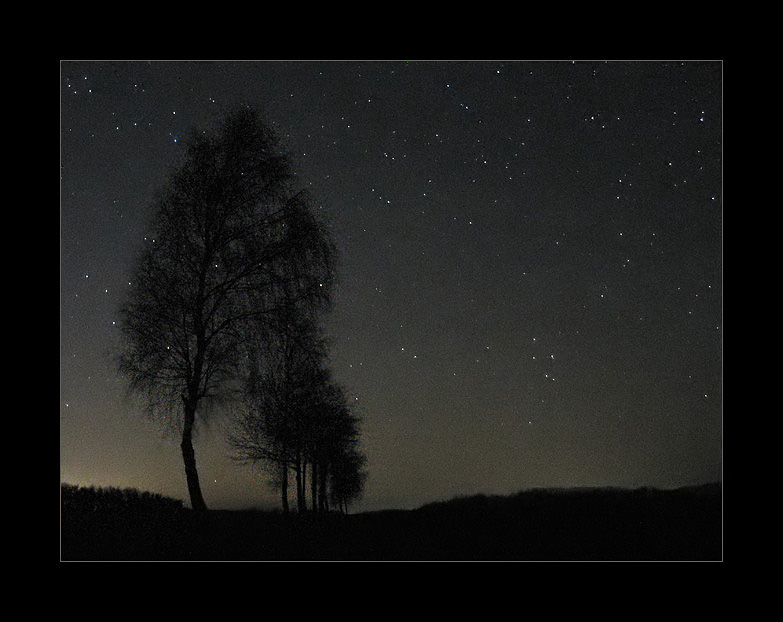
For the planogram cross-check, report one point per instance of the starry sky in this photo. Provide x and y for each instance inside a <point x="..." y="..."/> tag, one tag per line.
<point x="530" y="287"/>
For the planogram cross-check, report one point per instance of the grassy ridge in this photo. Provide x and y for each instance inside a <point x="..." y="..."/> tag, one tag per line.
<point x="593" y="524"/>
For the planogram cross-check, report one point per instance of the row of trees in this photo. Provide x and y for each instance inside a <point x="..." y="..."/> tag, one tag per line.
<point x="225" y="308"/>
<point x="299" y="423"/>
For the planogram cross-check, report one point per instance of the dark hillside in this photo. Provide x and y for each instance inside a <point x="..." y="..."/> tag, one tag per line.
<point x="582" y="524"/>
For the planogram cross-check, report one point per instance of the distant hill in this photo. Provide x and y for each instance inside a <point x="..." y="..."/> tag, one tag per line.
<point x="533" y="495"/>
<point x="541" y="524"/>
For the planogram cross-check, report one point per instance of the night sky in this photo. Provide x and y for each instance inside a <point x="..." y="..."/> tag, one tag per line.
<point x="530" y="288"/>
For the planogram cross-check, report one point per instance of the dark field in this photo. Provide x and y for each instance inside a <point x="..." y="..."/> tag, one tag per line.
<point x="548" y="525"/>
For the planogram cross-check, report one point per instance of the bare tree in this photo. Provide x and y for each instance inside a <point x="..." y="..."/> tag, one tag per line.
<point x="334" y="443"/>
<point x="298" y="420"/>
<point x="271" y="428"/>
<point x="233" y="241"/>
<point x="347" y="477"/>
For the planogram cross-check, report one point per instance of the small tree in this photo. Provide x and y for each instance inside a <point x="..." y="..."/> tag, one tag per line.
<point x="297" y="419"/>
<point x="347" y="478"/>
<point x="271" y="427"/>
<point x="233" y="241"/>
<point x="334" y="448"/>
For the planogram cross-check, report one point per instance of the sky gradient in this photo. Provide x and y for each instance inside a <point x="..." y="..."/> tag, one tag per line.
<point x="530" y="288"/>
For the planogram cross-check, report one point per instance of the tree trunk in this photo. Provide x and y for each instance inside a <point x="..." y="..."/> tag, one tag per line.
<point x="284" y="486"/>
<point x="314" y="486"/>
<point x="189" y="457"/>
<point x="301" y="502"/>
<point x="325" y="488"/>
<point x="298" y="486"/>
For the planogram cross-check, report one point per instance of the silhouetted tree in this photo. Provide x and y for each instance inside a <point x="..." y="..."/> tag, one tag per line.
<point x="347" y="478"/>
<point x="335" y="436"/>
<point x="296" y="418"/>
<point x="271" y="428"/>
<point x="233" y="241"/>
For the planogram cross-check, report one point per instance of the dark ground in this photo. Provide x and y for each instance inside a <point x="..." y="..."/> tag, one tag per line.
<point x="548" y="525"/>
